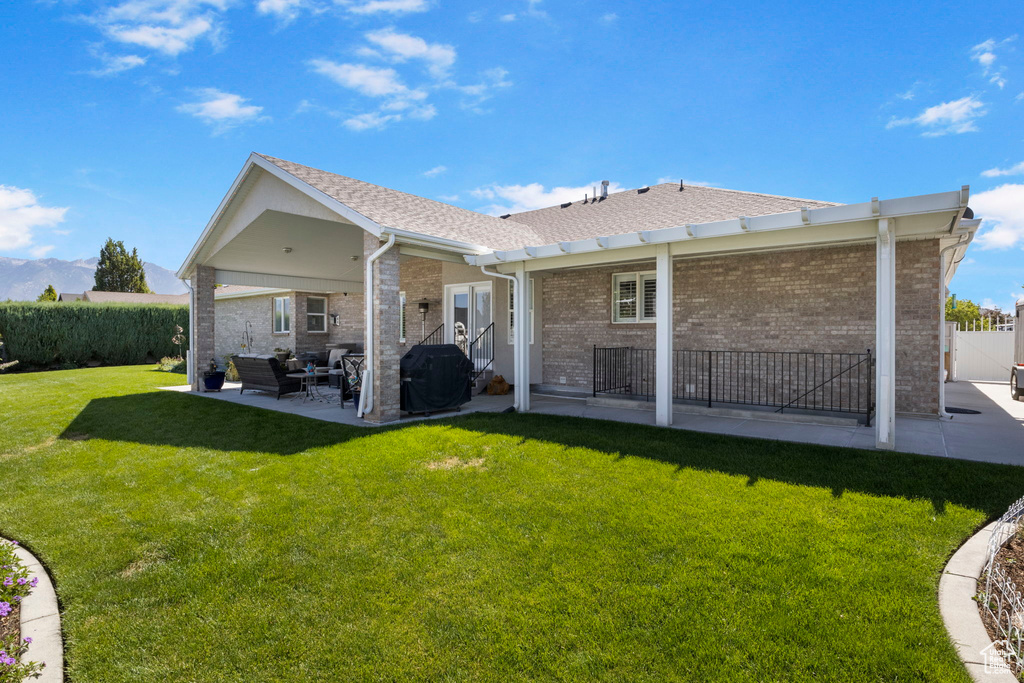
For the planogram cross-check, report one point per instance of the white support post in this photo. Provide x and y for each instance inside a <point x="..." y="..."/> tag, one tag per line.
<point x="522" y="338"/>
<point x="885" y="334"/>
<point x="663" y="338"/>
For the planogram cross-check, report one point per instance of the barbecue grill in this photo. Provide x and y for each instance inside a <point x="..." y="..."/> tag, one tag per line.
<point x="435" y="377"/>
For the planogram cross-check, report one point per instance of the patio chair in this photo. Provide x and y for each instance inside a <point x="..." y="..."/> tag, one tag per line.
<point x="264" y="373"/>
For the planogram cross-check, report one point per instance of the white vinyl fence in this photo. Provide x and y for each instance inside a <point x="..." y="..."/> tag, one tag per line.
<point x="983" y="356"/>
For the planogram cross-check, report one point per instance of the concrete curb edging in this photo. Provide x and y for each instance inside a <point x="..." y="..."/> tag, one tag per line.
<point x="40" y="621"/>
<point x="957" y="587"/>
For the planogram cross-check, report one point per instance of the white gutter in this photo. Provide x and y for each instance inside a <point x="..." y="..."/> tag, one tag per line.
<point x="366" y="386"/>
<point x="972" y="227"/>
<point x="515" y="339"/>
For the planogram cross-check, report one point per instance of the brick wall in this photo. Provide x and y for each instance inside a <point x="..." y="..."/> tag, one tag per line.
<point x="386" y="353"/>
<point x="809" y="300"/>
<point x="204" y="321"/>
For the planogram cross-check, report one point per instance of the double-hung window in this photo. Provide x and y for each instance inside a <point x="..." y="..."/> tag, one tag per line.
<point x="512" y="310"/>
<point x="282" y="315"/>
<point x="316" y="314"/>
<point x="633" y="299"/>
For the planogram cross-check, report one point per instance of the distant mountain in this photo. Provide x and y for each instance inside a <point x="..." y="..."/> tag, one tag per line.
<point x="25" y="279"/>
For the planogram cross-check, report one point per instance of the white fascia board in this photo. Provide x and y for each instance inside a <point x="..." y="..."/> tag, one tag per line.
<point x="255" y="292"/>
<point x="442" y="243"/>
<point x="186" y="268"/>
<point x="828" y="215"/>
<point x="287" y="282"/>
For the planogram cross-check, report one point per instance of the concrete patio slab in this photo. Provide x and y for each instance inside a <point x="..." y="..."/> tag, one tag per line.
<point x="996" y="434"/>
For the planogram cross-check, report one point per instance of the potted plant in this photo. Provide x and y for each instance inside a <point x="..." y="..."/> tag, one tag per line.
<point x="283" y="354"/>
<point x="213" y="379"/>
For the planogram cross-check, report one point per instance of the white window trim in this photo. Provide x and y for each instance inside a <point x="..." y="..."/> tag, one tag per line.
<point x="639" y="276"/>
<point x="322" y="315"/>
<point x="511" y="310"/>
<point x="402" y="332"/>
<point x="286" y="320"/>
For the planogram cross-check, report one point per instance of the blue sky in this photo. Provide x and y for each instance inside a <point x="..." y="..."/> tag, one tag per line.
<point x="130" y="118"/>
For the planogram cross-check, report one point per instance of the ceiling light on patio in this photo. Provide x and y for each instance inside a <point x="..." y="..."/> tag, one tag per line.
<point x="287" y="250"/>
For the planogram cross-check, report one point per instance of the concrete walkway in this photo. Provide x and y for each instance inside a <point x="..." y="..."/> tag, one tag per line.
<point x="994" y="435"/>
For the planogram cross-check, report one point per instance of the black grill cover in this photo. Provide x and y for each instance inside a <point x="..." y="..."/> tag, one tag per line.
<point x="435" y="378"/>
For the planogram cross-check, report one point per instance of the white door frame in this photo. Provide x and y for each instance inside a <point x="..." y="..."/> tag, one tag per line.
<point x="449" y="312"/>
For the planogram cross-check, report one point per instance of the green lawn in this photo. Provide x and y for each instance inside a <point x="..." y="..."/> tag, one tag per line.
<point x="197" y="540"/>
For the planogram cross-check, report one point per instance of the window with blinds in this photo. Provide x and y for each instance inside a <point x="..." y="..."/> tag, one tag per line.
<point x="633" y="297"/>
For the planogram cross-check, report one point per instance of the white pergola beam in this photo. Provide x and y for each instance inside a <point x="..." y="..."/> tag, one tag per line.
<point x="663" y="338"/>
<point x="885" y="334"/>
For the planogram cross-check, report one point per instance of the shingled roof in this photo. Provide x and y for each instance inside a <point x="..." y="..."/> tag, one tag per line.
<point x="661" y="206"/>
<point x="395" y="209"/>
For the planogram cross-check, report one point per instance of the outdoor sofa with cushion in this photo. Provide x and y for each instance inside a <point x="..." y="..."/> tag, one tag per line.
<point x="264" y="373"/>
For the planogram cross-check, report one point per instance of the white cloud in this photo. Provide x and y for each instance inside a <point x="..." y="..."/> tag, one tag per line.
<point x="400" y="47"/>
<point x="1002" y="213"/>
<point x="167" y="26"/>
<point x="367" y="80"/>
<point x="115" y="64"/>
<point x="448" y="197"/>
<point x="285" y="10"/>
<point x="610" y="17"/>
<point x="985" y="54"/>
<point x="370" y="120"/>
<point x="388" y="6"/>
<point x="957" y="116"/>
<point x="436" y="171"/>
<point x="424" y="113"/>
<point x="516" y="198"/>
<point x="533" y="9"/>
<point x="41" y="250"/>
<point x="507" y="17"/>
<point x="221" y="110"/>
<point x="675" y="179"/>
<point x="20" y="214"/>
<point x="1016" y="169"/>
<point x="478" y="93"/>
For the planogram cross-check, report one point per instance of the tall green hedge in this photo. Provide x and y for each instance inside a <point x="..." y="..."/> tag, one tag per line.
<point x="44" y="334"/>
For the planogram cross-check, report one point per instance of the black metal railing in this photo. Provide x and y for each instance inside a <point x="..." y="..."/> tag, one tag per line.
<point x="435" y="337"/>
<point x="481" y="351"/>
<point x="784" y="380"/>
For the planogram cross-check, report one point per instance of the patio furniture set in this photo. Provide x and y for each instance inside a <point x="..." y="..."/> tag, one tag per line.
<point x="341" y="369"/>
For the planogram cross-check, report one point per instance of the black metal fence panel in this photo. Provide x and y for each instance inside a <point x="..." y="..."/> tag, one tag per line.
<point x="785" y="380"/>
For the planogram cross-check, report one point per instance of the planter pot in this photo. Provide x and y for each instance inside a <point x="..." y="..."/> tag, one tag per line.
<point x="282" y="356"/>
<point x="213" y="381"/>
<point x="355" y="398"/>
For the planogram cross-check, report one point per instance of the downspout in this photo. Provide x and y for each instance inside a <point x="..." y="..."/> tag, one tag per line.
<point x="942" y="322"/>
<point x="191" y="331"/>
<point x="366" y="395"/>
<point x="515" y="338"/>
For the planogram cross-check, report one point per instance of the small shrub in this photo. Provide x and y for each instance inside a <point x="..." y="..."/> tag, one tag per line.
<point x="173" y="364"/>
<point x="14" y="586"/>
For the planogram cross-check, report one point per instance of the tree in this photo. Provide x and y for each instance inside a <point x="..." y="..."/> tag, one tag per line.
<point x="966" y="311"/>
<point x="119" y="271"/>
<point x="49" y="294"/>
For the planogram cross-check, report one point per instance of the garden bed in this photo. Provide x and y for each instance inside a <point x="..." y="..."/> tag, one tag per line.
<point x="1011" y="560"/>
<point x="14" y="587"/>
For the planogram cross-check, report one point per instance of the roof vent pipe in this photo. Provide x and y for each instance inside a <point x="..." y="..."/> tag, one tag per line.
<point x="604" y="189"/>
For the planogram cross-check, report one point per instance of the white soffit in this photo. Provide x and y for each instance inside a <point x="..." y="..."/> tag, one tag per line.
<point x="318" y="249"/>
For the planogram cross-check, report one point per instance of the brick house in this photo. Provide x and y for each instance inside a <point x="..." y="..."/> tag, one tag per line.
<point x="681" y="289"/>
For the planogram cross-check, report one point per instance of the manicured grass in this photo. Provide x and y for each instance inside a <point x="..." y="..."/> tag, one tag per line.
<point x="197" y="540"/>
